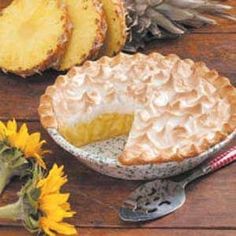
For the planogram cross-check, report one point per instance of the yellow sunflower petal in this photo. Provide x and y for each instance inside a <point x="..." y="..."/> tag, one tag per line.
<point x="64" y="228"/>
<point x="61" y="228"/>
<point x="2" y="131"/>
<point x="59" y="198"/>
<point x="11" y="127"/>
<point x="56" y="213"/>
<point x="54" y="205"/>
<point x="39" y="160"/>
<point x="53" y="182"/>
<point x="19" y="139"/>
<point x="66" y="206"/>
<point x="45" y="226"/>
<point x="35" y="137"/>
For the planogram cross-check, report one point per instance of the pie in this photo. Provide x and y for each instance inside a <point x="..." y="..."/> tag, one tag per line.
<point x="171" y="109"/>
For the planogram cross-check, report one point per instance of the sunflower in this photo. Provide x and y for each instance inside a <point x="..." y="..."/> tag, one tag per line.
<point x="19" y="150"/>
<point x="29" y="144"/>
<point x="53" y="204"/>
<point x="41" y="205"/>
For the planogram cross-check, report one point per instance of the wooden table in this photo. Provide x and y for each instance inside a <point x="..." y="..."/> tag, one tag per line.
<point x="210" y="209"/>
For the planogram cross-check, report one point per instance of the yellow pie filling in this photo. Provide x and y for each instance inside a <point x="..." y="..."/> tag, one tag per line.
<point x="103" y="127"/>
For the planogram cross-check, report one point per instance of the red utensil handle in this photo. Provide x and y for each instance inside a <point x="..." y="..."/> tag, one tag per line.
<point x="223" y="159"/>
<point x="217" y="163"/>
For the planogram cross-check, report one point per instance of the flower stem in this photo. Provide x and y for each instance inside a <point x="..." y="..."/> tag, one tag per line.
<point x="12" y="211"/>
<point x="5" y="177"/>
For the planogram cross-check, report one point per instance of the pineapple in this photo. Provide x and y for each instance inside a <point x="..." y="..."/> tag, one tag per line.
<point x="89" y="30"/>
<point x="155" y="19"/>
<point x="33" y="35"/>
<point x="116" y="20"/>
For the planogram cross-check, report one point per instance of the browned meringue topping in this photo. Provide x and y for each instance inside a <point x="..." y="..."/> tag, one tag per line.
<point x="181" y="108"/>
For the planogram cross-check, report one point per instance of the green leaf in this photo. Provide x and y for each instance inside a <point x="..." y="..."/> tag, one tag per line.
<point x="32" y="224"/>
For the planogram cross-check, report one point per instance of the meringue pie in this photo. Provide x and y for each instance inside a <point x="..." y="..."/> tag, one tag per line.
<point x="171" y="109"/>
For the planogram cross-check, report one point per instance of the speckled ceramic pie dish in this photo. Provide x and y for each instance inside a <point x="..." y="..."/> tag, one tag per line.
<point x="102" y="157"/>
<point x="140" y="116"/>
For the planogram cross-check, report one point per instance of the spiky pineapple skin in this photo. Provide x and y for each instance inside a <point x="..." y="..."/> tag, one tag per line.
<point x="54" y="56"/>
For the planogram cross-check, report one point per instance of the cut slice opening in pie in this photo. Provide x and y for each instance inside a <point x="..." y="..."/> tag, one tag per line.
<point x="170" y="109"/>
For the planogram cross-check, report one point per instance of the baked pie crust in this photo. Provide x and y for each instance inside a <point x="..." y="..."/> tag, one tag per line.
<point x="172" y="109"/>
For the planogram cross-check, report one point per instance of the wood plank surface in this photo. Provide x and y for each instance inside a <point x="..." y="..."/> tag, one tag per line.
<point x="223" y="25"/>
<point x="6" y="231"/>
<point x="210" y="208"/>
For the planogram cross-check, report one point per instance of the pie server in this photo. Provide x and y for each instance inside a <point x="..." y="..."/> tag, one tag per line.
<point x="158" y="198"/>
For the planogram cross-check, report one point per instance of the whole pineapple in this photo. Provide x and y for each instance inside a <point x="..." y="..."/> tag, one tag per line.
<point x="156" y="19"/>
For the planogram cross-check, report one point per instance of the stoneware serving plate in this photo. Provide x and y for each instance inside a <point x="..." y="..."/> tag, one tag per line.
<point x="103" y="157"/>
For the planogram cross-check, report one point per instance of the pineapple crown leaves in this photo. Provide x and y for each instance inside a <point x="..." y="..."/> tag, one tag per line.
<point x="156" y="19"/>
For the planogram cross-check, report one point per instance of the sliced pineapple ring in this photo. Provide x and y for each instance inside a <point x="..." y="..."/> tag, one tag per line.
<point x="103" y="127"/>
<point x="88" y="34"/>
<point x="33" y="35"/>
<point x="117" y="31"/>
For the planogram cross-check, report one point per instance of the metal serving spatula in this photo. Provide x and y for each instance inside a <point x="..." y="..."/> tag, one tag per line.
<point x="160" y="197"/>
